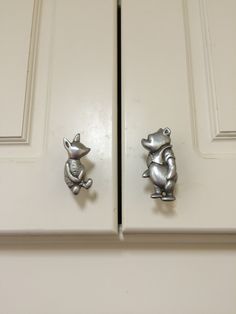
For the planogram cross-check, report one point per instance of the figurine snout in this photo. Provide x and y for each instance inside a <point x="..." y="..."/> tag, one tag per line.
<point x="87" y="150"/>
<point x="146" y="143"/>
<point x="84" y="151"/>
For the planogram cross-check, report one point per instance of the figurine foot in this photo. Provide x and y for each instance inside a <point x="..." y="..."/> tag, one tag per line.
<point x="156" y="195"/>
<point x="168" y="198"/>
<point x="75" y="189"/>
<point x="87" y="184"/>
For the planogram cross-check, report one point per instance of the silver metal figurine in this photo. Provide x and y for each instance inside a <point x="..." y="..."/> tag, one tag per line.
<point x="74" y="170"/>
<point x="161" y="164"/>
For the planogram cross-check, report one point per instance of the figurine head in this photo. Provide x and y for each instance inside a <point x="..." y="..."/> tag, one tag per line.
<point x="75" y="149"/>
<point x="156" y="140"/>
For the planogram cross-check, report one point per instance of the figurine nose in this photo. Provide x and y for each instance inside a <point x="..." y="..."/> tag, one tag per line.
<point x="143" y="141"/>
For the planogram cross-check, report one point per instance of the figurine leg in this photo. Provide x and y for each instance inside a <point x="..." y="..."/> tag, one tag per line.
<point x="87" y="184"/>
<point x="158" y="193"/>
<point x="169" y="189"/>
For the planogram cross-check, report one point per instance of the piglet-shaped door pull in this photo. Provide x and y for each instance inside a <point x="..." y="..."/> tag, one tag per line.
<point x="75" y="174"/>
<point x="161" y="164"/>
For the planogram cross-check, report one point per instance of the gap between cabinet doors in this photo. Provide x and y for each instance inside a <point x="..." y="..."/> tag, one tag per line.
<point x="119" y="117"/>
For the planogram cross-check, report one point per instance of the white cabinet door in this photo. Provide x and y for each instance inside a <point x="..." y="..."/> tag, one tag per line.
<point x="57" y="78"/>
<point x="179" y="71"/>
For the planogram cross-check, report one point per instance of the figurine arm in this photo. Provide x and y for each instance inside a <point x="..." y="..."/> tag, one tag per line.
<point x="170" y="160"/>
<point x="146" y="173"/>
<point x="172" y="168"/>
<point x="149" y="159"/>
<point x="70" y="176"/>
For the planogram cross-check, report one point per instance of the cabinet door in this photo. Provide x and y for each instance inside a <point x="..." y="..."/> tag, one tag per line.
<point x="57" y="79"/>
<point x="179" y="71"/>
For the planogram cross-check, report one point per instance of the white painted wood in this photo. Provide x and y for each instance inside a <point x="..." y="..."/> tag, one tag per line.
<point x="168" y="63"/>
<point x="221" y="44"/>
<point x="211" y="44"/>
<point x="123" y="279"/>
<point x="16" y="19"/>
<point x="73" y="87"/>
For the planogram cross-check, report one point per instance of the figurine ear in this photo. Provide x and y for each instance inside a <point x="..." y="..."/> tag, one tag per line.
<point x="167" y="131"/>
<point x="66" y="143"/>
<point x="77" y="138"/>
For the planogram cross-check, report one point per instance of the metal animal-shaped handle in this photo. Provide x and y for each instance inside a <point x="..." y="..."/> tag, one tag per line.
<point x="161" y="164"/>
<point x="74" y="170"/>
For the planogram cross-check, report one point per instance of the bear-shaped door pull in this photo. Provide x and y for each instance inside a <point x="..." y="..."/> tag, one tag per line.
<point x="74" y="173"/>
<point x="161" y="164"/>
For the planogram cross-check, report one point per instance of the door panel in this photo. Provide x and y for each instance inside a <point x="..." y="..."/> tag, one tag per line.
<point x="15" y="34"/>
<point x="210" y="26"/>
<point x="178" y="61"/>
<point x="65" y="83"/>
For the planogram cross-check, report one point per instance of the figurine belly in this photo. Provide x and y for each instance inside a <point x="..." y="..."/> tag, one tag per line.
<point x="158" y="174"/>
<point x="76" y="169"/>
